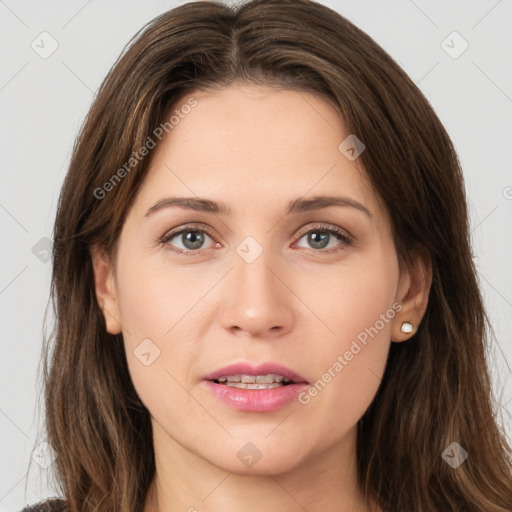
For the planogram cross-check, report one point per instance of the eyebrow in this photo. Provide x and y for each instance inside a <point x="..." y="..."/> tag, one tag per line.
<point x="299" y="205"/>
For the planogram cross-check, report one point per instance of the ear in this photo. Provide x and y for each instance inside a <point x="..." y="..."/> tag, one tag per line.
<point x="105" y="289"/>
<point x="413" y="292"/>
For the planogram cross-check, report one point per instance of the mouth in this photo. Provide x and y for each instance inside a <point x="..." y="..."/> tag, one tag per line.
<point x="242" y="381"/>
<point x="265" y="387"/>
<point x="263" y="376"/>
<point x="256" y="390"/>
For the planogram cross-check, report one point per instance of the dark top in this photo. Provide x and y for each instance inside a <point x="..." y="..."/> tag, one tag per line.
<point x="49" y="505"/>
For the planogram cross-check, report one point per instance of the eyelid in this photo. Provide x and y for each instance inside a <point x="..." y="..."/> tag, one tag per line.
<point x="187" y="227"/>
<point x="345" y="239"/>
<point x="343" y="235"/>
<point x="331" y="228"/>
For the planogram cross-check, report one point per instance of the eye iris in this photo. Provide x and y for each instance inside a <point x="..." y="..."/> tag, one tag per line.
<point x="196" y="238"/>
<point x="317" y="239"/>
<point x="193" y="239"/>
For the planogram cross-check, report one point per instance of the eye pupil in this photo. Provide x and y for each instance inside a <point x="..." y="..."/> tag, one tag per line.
<point x="196" y="238"/>
<point x="318" y="239"/>
<point x="193" y="239"/>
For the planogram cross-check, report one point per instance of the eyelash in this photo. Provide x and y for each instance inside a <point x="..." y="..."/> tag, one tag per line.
<point x="323" y="228"/>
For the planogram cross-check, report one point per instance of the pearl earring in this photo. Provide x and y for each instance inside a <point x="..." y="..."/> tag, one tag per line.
<point x="406" y="327"/>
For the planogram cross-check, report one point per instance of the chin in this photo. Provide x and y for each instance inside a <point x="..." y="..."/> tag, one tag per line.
<point x="262" y="461"/>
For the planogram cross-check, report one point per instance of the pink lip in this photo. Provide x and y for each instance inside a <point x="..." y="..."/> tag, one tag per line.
<point x="256" y="400"/>
<point x="262" y="369"/>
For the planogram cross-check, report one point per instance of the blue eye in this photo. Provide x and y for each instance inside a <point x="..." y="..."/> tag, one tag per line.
<point x="192" y="239"/>
<point x="319" y="238"/>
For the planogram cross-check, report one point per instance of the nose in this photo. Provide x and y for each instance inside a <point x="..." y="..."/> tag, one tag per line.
<point x="260" y="302"/>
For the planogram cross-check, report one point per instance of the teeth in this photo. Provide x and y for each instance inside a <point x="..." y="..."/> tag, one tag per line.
<point x="254" y="386"/>
<point x="271" y="378"/>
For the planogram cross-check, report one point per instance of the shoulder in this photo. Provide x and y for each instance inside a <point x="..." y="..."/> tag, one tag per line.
<point x="49" y="505"/>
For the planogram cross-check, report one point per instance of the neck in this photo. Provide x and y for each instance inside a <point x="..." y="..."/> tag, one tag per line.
<point x="323" y="481"/>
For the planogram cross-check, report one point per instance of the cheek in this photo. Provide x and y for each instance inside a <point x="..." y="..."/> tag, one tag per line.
<point x="152" y="304"/>
<point x="358" y="305"/>
<point x="153" y="296"/>
<point x="351" y="297"/>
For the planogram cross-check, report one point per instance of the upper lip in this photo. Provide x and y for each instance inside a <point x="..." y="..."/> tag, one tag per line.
<point x="261" y="369"/>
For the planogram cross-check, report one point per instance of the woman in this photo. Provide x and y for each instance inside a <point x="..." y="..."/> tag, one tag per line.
<point x="263" y="281"/>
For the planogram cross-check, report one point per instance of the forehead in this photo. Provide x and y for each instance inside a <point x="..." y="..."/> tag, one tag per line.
<point x="265" y="119"/>
<point x="254" y="143"/>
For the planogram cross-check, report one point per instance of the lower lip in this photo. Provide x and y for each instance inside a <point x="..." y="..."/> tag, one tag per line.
<point x="256" y="400"/>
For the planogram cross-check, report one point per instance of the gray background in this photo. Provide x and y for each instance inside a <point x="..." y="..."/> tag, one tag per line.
<point x="44" y="101"/>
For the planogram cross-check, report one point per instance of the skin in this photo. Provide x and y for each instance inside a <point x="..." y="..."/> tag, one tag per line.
<point x="256" y="149"/>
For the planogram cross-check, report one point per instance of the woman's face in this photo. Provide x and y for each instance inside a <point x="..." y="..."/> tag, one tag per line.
<point x="257" y="280"/>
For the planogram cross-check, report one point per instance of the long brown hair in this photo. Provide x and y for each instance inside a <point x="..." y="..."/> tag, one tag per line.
<point x="436" y="388"/>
